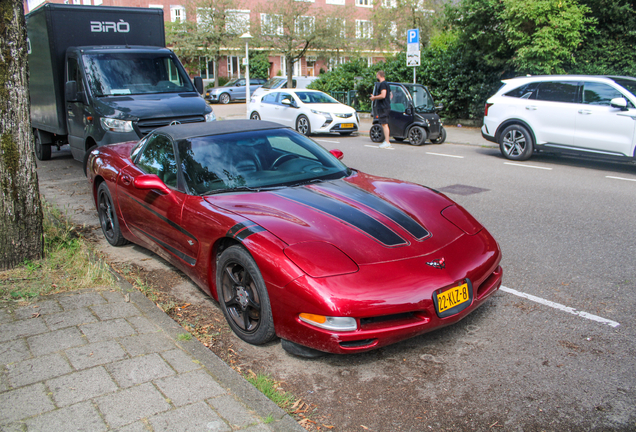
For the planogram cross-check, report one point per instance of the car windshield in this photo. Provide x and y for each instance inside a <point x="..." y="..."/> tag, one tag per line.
<point x="629" y="85"/>
<point x="273" y="83"/>
<point x="231" y="83"/>
<point x="115" y="74"/>
<point x="255" y="160"/>
<point x="315" y="97"/>
<point x="422" y="99"/>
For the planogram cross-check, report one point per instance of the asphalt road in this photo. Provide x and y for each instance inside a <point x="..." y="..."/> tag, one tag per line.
<point x="562" y="359"/>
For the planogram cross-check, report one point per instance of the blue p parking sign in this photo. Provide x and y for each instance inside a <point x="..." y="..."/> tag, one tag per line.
<point x="413" y="36"/>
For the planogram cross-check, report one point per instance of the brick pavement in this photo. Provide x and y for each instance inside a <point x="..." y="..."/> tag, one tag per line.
<point x="100" y="360"/>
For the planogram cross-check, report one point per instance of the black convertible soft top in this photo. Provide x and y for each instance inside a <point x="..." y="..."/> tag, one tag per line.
<point x="193" y="130"/>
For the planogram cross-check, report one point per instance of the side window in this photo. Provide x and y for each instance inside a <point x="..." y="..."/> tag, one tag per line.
<point x="556" y="91"/>
<point x="269" y="98"/>
<point x="157" y="157"/>
<point x="595" y="93"/>
<point x="398" y="99"/>
<point x="73" y="73"/>
<point x="526" y="91"/>
<point x="240" y="83"/>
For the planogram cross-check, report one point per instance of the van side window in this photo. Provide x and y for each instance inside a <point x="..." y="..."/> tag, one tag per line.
<point x="595" y="93"/>
<point x="73" y="73"/>
<point x="558" y="91"/>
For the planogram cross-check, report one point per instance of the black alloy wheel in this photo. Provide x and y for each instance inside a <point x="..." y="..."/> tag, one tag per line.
<point x="441" y="138"/>
<point x="243" y="296"/>
<point x="108" y="218"/>
<point x="376" y="133"/>
<point x="417" y="135"/>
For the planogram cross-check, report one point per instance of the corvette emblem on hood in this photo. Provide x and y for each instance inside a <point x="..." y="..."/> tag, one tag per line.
<point x="438" y="264"/>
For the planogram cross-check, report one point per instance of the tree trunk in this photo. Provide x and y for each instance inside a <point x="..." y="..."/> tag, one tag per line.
<point x="290" y="71"/>
<point x="216" y="70"/>
<point x="20" y="207"/>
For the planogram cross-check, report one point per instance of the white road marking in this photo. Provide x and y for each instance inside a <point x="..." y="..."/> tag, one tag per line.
<point x="441" y="154"/>
<point x="527" y="166"/>
<point x="560" y="307"/>
<point x="372" y="146"/>
<point x="329" y="141"/>
<point x="620" y="178"/>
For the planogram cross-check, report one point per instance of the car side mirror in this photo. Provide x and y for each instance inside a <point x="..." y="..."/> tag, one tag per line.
<point x="70" y="92"/>
<point x="151" y="181"/>
<point x="620" y="103"/>
<point x="337" y="153"/>
<point x="408" y="110"/>
<point x="287" y="102"/>
<point x="439" y="107"/>
<point x="198" y="84"/>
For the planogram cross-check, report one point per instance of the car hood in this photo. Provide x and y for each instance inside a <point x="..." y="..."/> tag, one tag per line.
<point x="170" y="105"/>
<point x="371" y="219"/>
<point x="331" y="108"/>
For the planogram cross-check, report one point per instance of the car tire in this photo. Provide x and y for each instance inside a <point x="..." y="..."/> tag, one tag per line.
<point x="42" y="151"/>
<point x="255" y="116"/>
<point x="516" y="143"/>
<point x="85" y="161"/>
<point x="300" y="350"/>
<point x="441" y="138"/>
<point x="224" y="98"/>
<point x="108" y="217"/>
<point x="302" y="125"/>
<point x="376" y="133"/>
<point x="243" y="296"/>
<point x="417" y="135"/>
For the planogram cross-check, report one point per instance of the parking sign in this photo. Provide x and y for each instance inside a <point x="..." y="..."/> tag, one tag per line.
<point x="413" y="36"/>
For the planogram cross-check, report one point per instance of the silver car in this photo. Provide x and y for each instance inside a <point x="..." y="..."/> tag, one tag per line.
<point x="232" y="90"/>
<point x="576" y="114"/>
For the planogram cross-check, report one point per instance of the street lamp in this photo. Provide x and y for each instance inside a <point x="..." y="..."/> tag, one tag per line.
<point x="248" y="94"/>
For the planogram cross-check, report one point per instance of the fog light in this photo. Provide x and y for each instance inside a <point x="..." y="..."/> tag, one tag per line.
<point x="330" y="323"/>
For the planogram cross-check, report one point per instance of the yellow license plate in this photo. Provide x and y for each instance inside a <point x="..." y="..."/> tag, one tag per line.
<point x="452" y="297"/>
<point x="346" y="125"/>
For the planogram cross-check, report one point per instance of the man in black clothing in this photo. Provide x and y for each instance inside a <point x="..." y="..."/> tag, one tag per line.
<point x="383" y="106"/>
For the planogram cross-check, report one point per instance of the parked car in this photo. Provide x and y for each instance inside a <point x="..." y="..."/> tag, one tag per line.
<point x="300" y="82"/>
<point x="307" y="111"/>
<point x="578" y="114"/>
<point x="292" y="242"/>
<point x="232" y="90"/>
<point x="413" y="116"/>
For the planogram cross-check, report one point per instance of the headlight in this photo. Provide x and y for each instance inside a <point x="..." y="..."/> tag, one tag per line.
<point x="320" y="259"/>
<point x="210" y="117"/>
<point x="322" y="113"/>
<point x="116" y="125"/>
<point x="330" y="323"/>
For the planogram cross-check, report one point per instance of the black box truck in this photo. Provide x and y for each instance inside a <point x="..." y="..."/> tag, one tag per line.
<point x="101" y="75"/>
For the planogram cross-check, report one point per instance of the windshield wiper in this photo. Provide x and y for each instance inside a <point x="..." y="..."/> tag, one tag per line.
<point x="306" y="182"/>
<point x="243" y="189"/>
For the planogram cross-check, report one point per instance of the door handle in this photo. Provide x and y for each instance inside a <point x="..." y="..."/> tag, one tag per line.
<point x="531" y="108"/>
<point x="126" y="179"/>
<point x="585" y="112"/>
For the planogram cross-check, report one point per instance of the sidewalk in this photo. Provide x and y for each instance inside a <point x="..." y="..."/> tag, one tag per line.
<point x="102" y="360"/>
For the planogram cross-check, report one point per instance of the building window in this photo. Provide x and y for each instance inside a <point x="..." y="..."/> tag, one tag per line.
<point x="338" y="26"/>
<point x="393" y="29"/>
<point x="177" y="13"/>
<point x="271" y="25"/>
<point x="237" y="21"/>
<point x="391" y="4"/>
<point x="336" y="2"/>
<point x="364" y="3"/>
<point x="305" y="25"/>
<point x="155" y="6"/>
<point x="364" y="29"/>
<point x="207" y="68"/>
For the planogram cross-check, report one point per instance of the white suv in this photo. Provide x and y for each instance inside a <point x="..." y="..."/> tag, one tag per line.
<point x="565" y="113"/>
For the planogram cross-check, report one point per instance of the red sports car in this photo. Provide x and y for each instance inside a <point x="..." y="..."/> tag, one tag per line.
<point x="290" y="241"/>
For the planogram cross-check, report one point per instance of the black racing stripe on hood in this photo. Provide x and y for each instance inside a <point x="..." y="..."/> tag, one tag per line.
<point x="344" y="212"/>
<point x="389" y="210"/>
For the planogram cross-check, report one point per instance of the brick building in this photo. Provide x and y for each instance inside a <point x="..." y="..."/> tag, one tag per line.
<point x="358" y="13"/>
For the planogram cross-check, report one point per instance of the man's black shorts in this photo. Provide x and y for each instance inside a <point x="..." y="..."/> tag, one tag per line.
<point x="382" y="118"/>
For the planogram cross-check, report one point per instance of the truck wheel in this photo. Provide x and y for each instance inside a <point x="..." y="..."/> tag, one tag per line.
<point x="86" y="155"/>
<point x="376" y="133"/>
<point x="441" y="138"/>
<point x="224" y="98"/>
<point x="42" y="151"/>
<point x="417" y="135"/>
